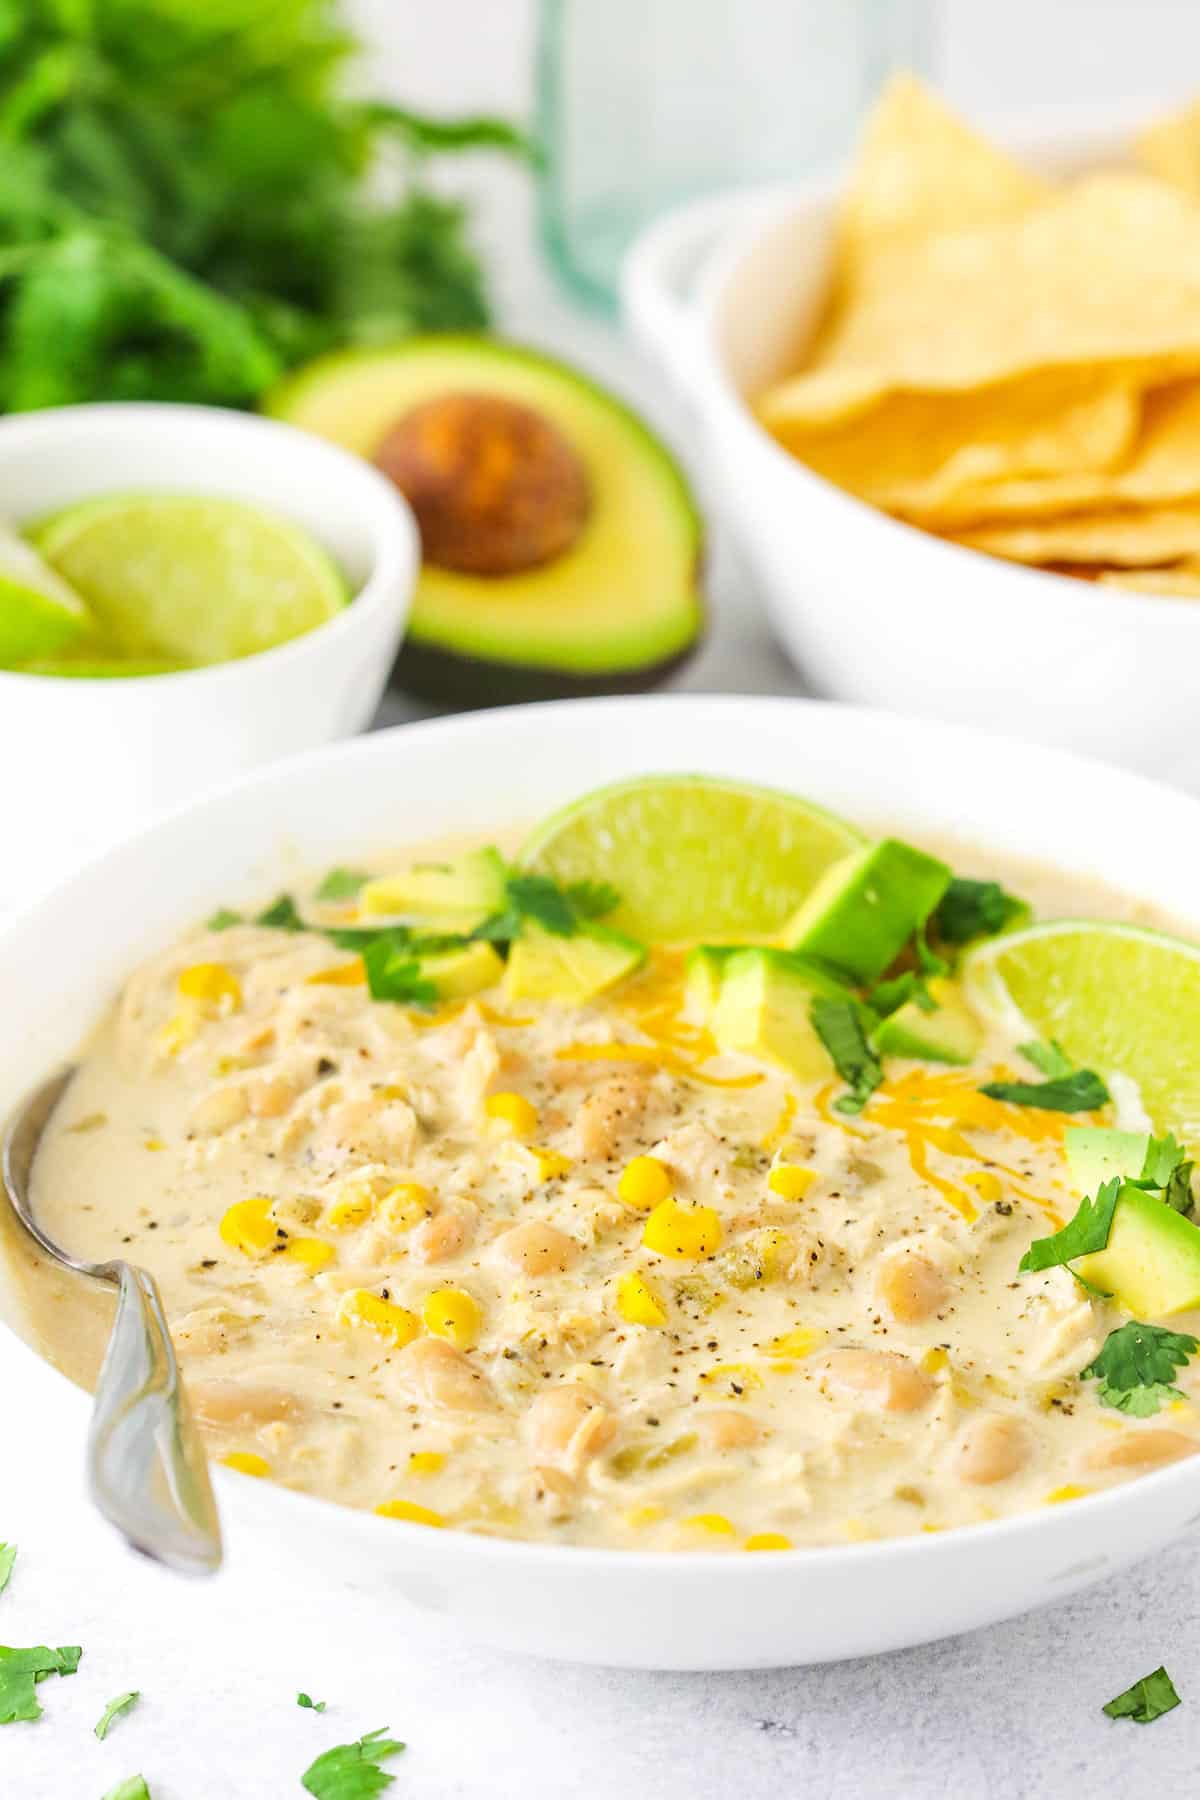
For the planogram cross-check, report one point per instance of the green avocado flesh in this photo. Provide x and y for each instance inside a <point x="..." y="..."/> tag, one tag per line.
<point x="863" y="911"/>
<point x="545" y="966"/>
<point x="949" y="1034"/>
<point x="1151" y="1263"/>
<point x="618" y="608"/>
<point x="763" y="1010"/>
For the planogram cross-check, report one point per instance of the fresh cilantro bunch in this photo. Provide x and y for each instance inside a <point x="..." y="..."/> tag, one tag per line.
<point x="1136" y="1367"/>
<point x="191" y="200"/>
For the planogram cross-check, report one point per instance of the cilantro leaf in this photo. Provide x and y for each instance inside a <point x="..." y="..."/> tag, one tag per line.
<point x="841" y="1026"/>
<point x="122" y="1704"/>
<point x="341" y="884"/>
<point x="352" y="1771"/>
<point x="970" y="909"/>
<point x="134" y="1788"/>
<point x="1051" y="1059"/>
<point x="394" y="973"/>
<point x="281" y="915"/>
<point x="1081" y="1091"/>
<point x="1167" y="1168"/>
<point x="540" y="900"/>
<point x="592" y="899"/>
<point x="8" y="1556"/>
<point x="21" y="1670"/>
<point x="1136" y="1367"/>
<point x="222" y="919"/>
<point x="928" y="961"/>
<point x="306" y="1700"/>
<point x="539" y="897"/>
<point x="1147" y="1700"/>
<point x="1083" y="1235"/>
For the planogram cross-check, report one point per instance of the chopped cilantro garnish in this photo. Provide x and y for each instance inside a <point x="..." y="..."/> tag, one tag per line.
<point x="1136" y="1367"/>
<point x="122" y="1704"/>
<point x="887" y="997"/>
<point x="133" y="1788"/>
<point x="1168" y="1168"/>
<point x="592" y="899"/>
<point x="222" y="919"/>
<point x="1083" y="1235"/>
<point x="1147" y="1700"/>
<point x="341" y="884"/>
<point x="1067" y="1090"/>
<point x="21" y="1670"/>
<point x="312" y="1705"/>
<point x="840" y="1026"/>
<point x="540" y="900"/>
<point x="928" y="961"/>
<point x="1051" y="1059"/>
<point x="970" y="909"/>
<point x="352" y="1771"/>
<point x="8" y="1556"/>
<point x="282" y="915"/>
<point x="393" y="973"/>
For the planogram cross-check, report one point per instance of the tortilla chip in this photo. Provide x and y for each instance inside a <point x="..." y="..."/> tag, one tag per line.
<point x="1134" y="538"/>
<point x="1171" y="149"/>
<point x="1162" y="466"/>
<point x="1181" y="583"/>
<point x="915" y="453"/>
<point x="1106" y="274"/>
<point x="920" y="170"/>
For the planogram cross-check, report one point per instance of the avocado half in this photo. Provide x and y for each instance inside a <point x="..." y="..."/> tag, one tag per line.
<point x="614" y="605"/>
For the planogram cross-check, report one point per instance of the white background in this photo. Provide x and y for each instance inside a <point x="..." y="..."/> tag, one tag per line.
<point x="1005" y="1714"/>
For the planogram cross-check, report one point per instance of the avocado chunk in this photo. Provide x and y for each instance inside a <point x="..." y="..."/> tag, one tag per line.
<point x="1151" y="1263"/>
<point x="864" y="909"/>
<point x="456" y="896"/>
<point x="951" y="1034"/>
<point x="544" y="966"/>
<point x="706" y="967"/>
<point x="562" y="543"/>
<point x="458" y="973"/>
<point x="763" y="1010"/>
<point x="1095" y="1153"/>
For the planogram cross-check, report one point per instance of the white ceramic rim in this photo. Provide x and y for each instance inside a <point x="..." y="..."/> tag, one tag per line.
<point x="1180" y="1476"/>
<point x="388" y="516"/>
<point x="1086" y="134"/>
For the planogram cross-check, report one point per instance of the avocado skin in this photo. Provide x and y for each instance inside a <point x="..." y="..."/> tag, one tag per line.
<point x="468" y="683"/>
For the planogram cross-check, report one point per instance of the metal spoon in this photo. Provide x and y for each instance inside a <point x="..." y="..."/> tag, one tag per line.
<point x="146" y="1466"/>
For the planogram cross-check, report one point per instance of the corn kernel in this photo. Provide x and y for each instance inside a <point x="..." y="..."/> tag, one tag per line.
<point x="790" y="1181"/>
<point x="408" y="1509"/>
<point x="684" y="1232"/>
<point x="768" y="1540"/>
<point x="638" y="1303"/>
<point x="344" y="974"/>
<point x="247" y="1462"/>
<point x="453" y="1314"/>
<point x="395" y="1324"/>
<point x="798" y="1343"/>
<point x="177" y="1033"/>
<point x="154" y="1144"/>
<point x="353" y="1207"/>
<point x="542" y="1165"/>
<point x="987" y="1185"/>
<point x="211" y="986"/>
<point x="426" y="1462"/>
<point x="712" y="1524"/>
<point x="644" y="1183"/>
<point x="736" y="1376"/>
<point x="859" y="1532"/>
<point x="248" y="1226"/>
<point x="1069" y="1491"/>
<point x="405" y="1205"/>
<point x="311" y="1252"/>
<point x="935" y="1360"/>
<point x="649" y="1514"/>
<point x="513" y="1110"/>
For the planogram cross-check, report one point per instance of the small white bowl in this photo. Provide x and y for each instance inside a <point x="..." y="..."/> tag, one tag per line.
<point x="722" y="293"/>
<point x="86" y="761"/>
<point x="479" y="773"/>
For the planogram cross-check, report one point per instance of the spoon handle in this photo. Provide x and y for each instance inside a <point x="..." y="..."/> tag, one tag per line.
<point x="147" y="1470"/>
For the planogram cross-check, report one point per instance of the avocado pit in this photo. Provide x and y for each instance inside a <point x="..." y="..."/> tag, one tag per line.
<point x="496" y="489"/>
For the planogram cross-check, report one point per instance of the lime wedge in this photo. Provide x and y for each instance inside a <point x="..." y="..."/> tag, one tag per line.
<point x="201" y="580"/>
<point x="40" y="613"/>
<point x="693" y="857"/>
<point x="1119" y="999"/>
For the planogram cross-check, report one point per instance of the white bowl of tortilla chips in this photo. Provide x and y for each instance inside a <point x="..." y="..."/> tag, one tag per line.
<point x="955" y="404"/>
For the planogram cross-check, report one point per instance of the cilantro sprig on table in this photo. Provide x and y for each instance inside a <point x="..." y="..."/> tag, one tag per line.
<point x="352" y="1771"/>
<point x="1147" y="1700"/>
<point x="1136" y="1367"/>
<point x="22" y="1670"/>
<point x="116" y="1709"/>
<point x="1066" y="1089"/>
<point x="8" y="1556"/>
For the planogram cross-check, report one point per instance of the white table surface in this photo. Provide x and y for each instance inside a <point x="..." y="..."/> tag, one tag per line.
<point x="1008" y="1713"/>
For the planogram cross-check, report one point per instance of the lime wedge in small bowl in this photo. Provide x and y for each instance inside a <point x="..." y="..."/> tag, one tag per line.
<point x="195" y="579"/>
<point x="692" y="856"/>
<point x="1120" y="999"/>
<point x="40" y="612"/>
